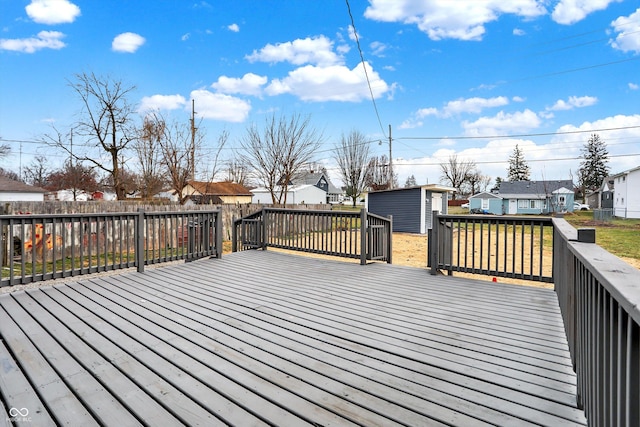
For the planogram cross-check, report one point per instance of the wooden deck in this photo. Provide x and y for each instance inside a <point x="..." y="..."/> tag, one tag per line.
<point x="266" y="338"/>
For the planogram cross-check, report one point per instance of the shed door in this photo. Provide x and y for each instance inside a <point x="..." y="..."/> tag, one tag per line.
<point x="437" y="202"/>
<point x="513" y="207"/>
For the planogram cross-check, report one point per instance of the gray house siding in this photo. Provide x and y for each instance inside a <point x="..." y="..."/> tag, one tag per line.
<point x="404" y="205"/>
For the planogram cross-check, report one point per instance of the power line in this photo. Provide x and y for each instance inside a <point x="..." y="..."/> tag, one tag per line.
<point x="364" y="67"/>
<point x="522" y="135"/>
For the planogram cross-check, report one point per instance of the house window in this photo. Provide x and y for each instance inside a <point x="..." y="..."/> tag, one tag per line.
<point x="562" y="200"/>
<point x="485" y="203"/>
<point x="534" y="204"/>
<point x="523" y="204"/>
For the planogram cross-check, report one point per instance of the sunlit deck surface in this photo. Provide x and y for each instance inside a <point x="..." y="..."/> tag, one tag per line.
<point x="267" y="338"/>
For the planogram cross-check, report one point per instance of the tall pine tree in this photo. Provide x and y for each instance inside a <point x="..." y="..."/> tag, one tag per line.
<point x="593" y="167"/>
<point x="518" y="167"/>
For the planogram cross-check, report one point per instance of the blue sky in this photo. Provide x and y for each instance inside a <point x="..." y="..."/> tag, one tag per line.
<point x="466" y="77"/>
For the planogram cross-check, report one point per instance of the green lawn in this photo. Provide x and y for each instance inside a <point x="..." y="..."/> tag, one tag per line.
<point x="621" y="237"/>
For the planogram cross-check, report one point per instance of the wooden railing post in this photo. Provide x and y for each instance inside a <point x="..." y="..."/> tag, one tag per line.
<point x="265" y="224"/>
<point x="218" y="235"/>
<point x="139" y="245"/>
<point x="363" y="236"/>
<point x="389" y="240"/>
<point x="234" y="235"/>
<point x="433" y="243"/>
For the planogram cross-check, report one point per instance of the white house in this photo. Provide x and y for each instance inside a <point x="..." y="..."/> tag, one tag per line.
<point x="296" y="195"/>
<point x="626" y="197"/>
<point x="16" y="191"/>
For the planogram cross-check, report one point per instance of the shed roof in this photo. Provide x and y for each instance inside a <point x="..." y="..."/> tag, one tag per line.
<point x="431" y="187"/>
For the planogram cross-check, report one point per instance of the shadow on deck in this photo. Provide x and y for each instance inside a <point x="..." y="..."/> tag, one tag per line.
<point x="266" y="338"/>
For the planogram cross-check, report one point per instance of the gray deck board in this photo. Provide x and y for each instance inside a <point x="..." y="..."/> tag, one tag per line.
<point x="268" y="338"/>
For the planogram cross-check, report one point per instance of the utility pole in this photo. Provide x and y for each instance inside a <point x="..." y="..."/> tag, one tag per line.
<point x="193" y="140"/>
<point x="390" y="161"/>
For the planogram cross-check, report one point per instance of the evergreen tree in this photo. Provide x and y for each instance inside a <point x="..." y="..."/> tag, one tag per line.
<point x="518" y="167"/>
<point x="411" y="181"/>
<point x="593" y="168"/>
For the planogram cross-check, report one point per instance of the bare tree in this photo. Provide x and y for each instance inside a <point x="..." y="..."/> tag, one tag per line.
<point x="476" y="182"/>
<point x="10" y="174"/>
<point x="352" y="155"/>
<point x="106" y="123"/>
<point x="37" y="172"/>
<point x="456" y="172"/>
<point x="279" y="151"/>
<point x="378" y="174"/>
<point x="149" y="155"/>
<point x="4" y="150"/>
<point x="237" y="172"/>
<point x="214" y="163"/>
<point x="177" y="154"/>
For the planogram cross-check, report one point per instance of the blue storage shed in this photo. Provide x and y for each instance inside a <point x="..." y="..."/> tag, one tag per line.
<point x="411" y="207"/>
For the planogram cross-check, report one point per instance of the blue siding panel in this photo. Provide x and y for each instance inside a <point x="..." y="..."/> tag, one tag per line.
<point x="404" y="205"/>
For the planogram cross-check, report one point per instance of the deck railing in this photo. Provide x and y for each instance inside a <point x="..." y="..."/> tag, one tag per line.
<point x="42" y="247"/>
<point x="502" y="246"/>
<point x="599" y="295"/>
<point x="360" y="235"/>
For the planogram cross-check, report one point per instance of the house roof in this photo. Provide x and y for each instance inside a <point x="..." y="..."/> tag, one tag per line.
<point x="312" y="178"/>
<point x="8" y="185"/>
<point x="431" y="187"/>
<point x="220" y="188"/>
<point x="509" y="189"/>
<point x="485" y="195"/>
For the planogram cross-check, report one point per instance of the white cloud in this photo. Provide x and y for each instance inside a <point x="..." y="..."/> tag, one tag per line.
<point x="459" y="19"/>
<point x="378" y="48"/>
<point x="573" y="102"/>
<point x="316" y="51"/>
<point x="569" y="12"/>
<point x="185" y="37"/>
<point x="473" y="105"/>
<point x="502" y="124"/>
<point x="44" y="40"/>
<point x="233" y="27"/>
<point x="353" y="36"/>
<point x="628" y="29"/>
<point x="127" y="42"/>
<point x="518" y="32"/>
<point x="633" y="86"/>
<point x="333" y="83"/>
<point x="52" y="12"/>
<point x="161" y="102"/>
<point x="219" y="106"/>
<point x="620" y="139"/>
<point x="249" y="84"/>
